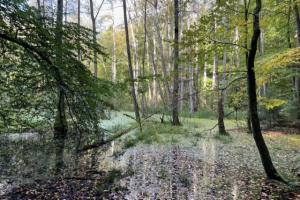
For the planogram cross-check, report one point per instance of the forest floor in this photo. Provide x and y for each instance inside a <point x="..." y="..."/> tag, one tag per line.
<point x="187" y="162"/>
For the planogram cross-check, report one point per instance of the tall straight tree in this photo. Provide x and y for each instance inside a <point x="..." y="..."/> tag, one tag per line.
<point x="60" y="124"/>
<point x="297" y="78"/>
<point x="78" y="27"/>
<point x="175" y="117"/>
<point x="135" y="102"/>
<point x="93" y="18"/>
<point x="257" y="134"/>
<point x="246" y="18"/>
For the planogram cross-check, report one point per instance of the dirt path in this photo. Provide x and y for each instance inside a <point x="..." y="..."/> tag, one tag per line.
<point x="172" y="172"/>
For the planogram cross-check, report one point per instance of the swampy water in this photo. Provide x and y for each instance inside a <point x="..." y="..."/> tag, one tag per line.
<point x="182" y="166"/>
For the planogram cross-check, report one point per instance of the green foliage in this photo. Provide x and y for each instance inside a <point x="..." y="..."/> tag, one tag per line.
<point x="272" y="104"/>
<point x="156" y="133"/>
<point x="31" y="76"/>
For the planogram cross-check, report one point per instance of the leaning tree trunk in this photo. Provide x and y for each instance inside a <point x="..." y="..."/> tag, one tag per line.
<point x="257" y="134"/>
<point x="60" y="124"/>
<point x="175" y="117"/>
<point x="135" y="102"/>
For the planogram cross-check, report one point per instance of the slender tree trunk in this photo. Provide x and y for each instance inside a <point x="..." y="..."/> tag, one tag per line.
<point x="288" y="32"/>
<point x="297" y="78"/>
<point x="191" y="88"/>
<point x="39" y="5"/>
<point x="237" y="49"/>
<point x="205" y="77"/>
<point x="78" y="27"/>
<point x="144" y="103"/>
<point x="181" y="88"/>
<point x="66" y="11"/>
<point x="196" y="95"/>
<point x="114" y="59"/>
<point x="257" y="134"/>
<point x="246" y="15"/>
<point x="135" y="102"/>
<point x="221" y="93"/>
<point x="136" y="64"/>
<point x="162" y="57"/>
<point x="60" y="124"/>
<point x="156" y="80"/>
<point x="175" y="115"/>
<point x="93" y="18"/>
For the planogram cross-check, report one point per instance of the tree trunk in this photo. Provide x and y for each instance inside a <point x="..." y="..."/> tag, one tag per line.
<point x="191" y="88"/>
<point x="162" y="57"/>
<point x="135" y="102"/>
<point x="144" y="103"/>
<point x="95" y="62"/>
<point x="114" y="59"/>
<point x="39" y="5"/>
<point x="237" y="49"/>
<point x="156" y="81"/>
<point x="60" y="124"/>
<point x="175" y="115"/>
<point x="221" y="93"/>
<point x="78" y="27"/>
<point x="196" y="95"/>
<point x="257" y="134"/>
<point x="181" y="88"/>
<point x="297" y="78"/>
<point x="66" y="11"/>
<point x="246" y="15"/>
<point x="288" y="32"/>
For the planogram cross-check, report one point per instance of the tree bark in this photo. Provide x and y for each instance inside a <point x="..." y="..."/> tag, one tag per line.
<point x="191" y="88"/>
<point x="114" y="59"/>
<point x="257" y="134"/>
<point x="78" y="27"/>
<point x="162" y="56"/>
<point x="175" y="115"/>
<point x="297" y="78"/>
<point x="221" y="93"/>
<point x="144" y="103"/>
<point x="60" y="124"/>
<point x="135" y="102"/>
<point x="246" y="15"/>
<point x="93" y="18"/>
<point x="156" y="81"/>
<point x="288" y="32"/>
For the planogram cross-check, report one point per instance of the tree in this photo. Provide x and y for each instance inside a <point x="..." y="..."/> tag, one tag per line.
<point x="93" y="18"/>
<point x="175" y="116"/>
<point x="62" y="86"/>
<point x="60" y="124"/>
<point x="130" y="71"/>
<point x="257" y="134"/>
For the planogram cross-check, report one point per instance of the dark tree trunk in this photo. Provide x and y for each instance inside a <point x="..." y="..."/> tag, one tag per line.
<point x="297" y="78"/>
<point x="175" y="117"/>
<point x="135" y="102"/>
<point x="257" y="134"/>
<point x="246" y="15"/>
<point x="60" y="125"/>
